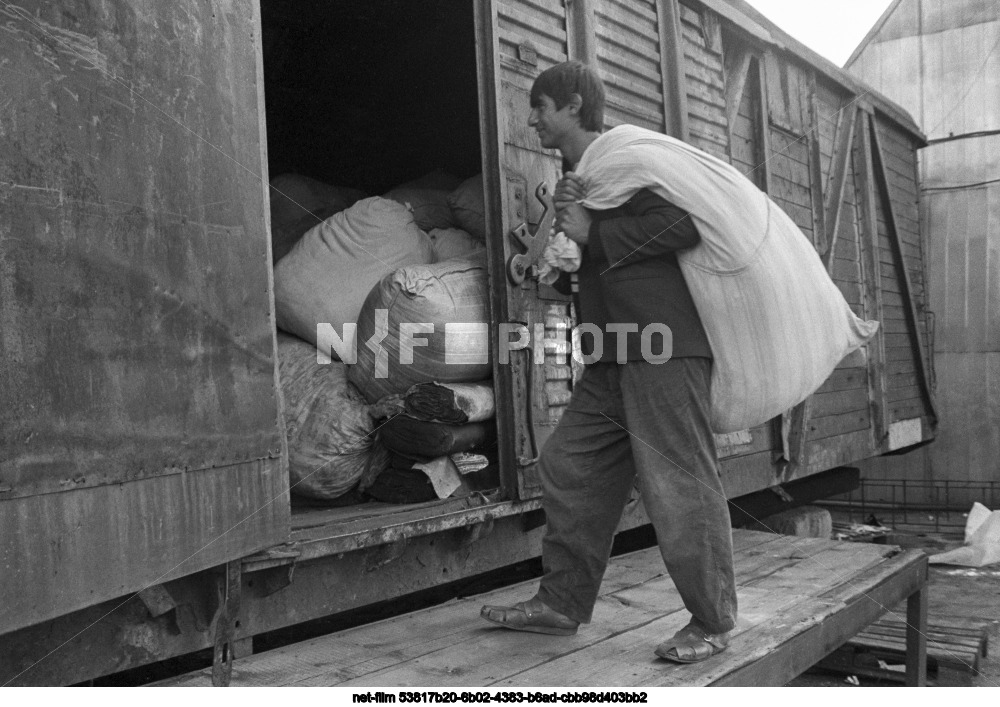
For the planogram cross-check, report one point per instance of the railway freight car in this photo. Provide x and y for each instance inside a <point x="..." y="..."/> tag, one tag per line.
<point x="144" y="506"/>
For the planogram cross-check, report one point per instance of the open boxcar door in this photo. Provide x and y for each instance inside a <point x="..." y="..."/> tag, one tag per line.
<point x="516" y="40"/>
<point x="631" y="42"/>
<point x="140" y="430"/>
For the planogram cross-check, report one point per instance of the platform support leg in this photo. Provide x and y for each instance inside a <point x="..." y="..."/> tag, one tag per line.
<point x="916" y="638"/>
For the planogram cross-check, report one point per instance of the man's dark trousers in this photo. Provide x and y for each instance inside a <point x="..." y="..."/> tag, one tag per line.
<point x="650" y="420"/>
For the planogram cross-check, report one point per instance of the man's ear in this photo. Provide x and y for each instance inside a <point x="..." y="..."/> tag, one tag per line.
<point x="575" y="103"/>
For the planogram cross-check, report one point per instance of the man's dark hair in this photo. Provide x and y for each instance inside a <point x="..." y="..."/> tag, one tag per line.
<point x="561" y="81"/>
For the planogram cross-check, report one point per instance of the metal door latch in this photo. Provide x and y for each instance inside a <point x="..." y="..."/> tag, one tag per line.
<point x="522" y="265"/>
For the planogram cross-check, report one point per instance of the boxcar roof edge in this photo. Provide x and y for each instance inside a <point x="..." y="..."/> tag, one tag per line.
<point x="751" y="21"/>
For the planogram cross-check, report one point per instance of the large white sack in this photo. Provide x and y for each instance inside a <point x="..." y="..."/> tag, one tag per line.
<point x="982" y="540"/>
<point x="332" y="445"/>
<point x="327" y="275"/>
<point x="776" y="322"/>
<point x="452" y="299"/>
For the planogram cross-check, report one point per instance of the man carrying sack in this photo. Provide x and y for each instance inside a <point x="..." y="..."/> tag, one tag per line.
<point x="642" y="408"/>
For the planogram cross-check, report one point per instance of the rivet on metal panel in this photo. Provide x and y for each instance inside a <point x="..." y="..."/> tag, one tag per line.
<point x="518" y="197"/>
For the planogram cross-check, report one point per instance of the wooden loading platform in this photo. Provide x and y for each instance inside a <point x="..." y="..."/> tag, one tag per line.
<point x="800" y="599"/>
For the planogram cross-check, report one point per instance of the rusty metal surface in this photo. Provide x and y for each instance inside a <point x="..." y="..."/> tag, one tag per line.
<point x="60" y="552"/>
<point x="226" y="620"/>
<point x="139" y="432"/>
<point x="135" y="324"/>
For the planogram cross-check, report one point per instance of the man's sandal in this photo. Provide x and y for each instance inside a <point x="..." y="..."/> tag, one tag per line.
<point x="532" y="616"/>
<point x="692" y="645"/>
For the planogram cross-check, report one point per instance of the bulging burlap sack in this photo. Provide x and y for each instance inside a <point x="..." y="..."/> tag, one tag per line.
<point x="331" y="437"/>
<point x="450" y="298"/>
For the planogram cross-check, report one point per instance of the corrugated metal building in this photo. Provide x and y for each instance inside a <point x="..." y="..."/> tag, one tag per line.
<point x="940" y="59"/>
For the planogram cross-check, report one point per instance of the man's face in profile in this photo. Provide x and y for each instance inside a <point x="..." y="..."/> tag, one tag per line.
<point x="552" y="124"/>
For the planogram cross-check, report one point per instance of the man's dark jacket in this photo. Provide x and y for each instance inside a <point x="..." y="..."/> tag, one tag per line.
<point x="629" y="274"/>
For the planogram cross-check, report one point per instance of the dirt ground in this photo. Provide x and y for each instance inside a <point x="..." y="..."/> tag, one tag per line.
<point x="954" y="591"/>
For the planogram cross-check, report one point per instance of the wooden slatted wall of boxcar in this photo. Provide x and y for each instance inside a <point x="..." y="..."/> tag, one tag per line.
<point x="706" y="84"/>
<point x="794" y="132"/>
<point x="791" y="130"/>
<point x="842" y="405"/>
<point x="537" y="23"/>
<point x="628" y="56"/>
<point x="905" y="399"/>
<point x="793" y="135"/>
<point x="745" y="143"/>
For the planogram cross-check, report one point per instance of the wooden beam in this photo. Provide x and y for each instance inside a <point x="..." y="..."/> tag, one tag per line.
<point x="492" y="137"/>
<point x="582" y="33"/>
<point x="903" y="273"/>
<point x="795" y="423"/>
<point x="737" y="70"/>
<point x="834" y="197"/>
<point x="916" y="639"/>
<point x="922" y="218"/>
<point x="675" y="108"/>
<point x="871" y="277"/>
<point x="794" y="436"/>
<point x="816" y="170"/>
<point x="764" y="121"/>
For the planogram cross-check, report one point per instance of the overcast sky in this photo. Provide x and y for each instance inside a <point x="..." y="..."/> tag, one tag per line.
<point x="832" y="28"/>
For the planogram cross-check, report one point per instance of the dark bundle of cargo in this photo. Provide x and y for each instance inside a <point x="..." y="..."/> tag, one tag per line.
<point x="428" y="440"/>
<point x="300" y="203"/>
<point x="401" y="482"/>
<point x="450" y="211"/>
<point x="431" y="431"/>
<point x="454" y="403"/>
<point x="409" y="480"/>
<point x="441" y="201"/>
<point x="332" y="444"/>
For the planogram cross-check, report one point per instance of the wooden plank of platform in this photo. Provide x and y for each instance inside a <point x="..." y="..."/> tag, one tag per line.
<point x="800" y="599"/>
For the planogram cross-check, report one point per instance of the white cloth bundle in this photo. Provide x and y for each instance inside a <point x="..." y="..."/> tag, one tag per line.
<point x="560" y="255"/>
